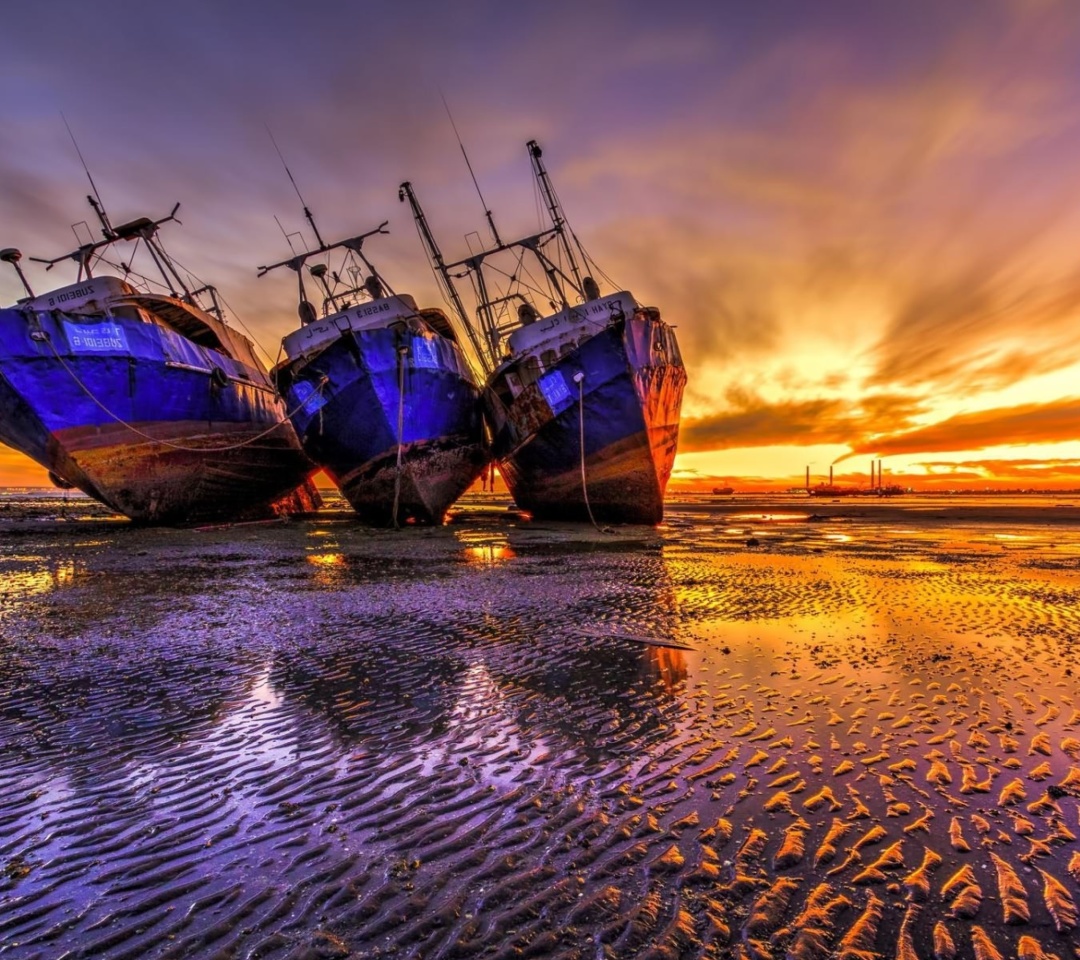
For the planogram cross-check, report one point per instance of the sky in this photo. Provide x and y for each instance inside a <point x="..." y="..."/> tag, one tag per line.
<point x="863" y="218"/>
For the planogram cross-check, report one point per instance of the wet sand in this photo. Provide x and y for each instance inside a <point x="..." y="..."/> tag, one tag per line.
<point x="771" y="728"/>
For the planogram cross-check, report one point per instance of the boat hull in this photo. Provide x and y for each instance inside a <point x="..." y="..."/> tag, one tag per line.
<point x="627" y="404"/>
<point x="152" y="425"/>
<point x="346" y="404"/>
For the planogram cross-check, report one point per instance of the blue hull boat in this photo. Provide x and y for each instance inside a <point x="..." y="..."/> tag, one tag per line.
<point x="148" y="404"/>
<point x="585" y="413"/>
<point x="385" y="403"/>
<point x="583" y="404"/>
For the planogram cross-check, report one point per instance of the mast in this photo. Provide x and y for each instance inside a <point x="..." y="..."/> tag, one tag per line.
<point x="490" y="327"/>
<point x="142" y="228"/>
<point x="487" y="358"/>
<point x="558" y="221"/>
<point x="146" y="230"/>
<point x="374" y="284"/>
<point x="296" y="263"/>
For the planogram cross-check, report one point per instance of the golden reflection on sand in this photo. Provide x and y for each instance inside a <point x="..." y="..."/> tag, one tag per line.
<point x="326" y="559"/>
<point x="848" y="740"/>
<point x="34" y="582"/>
<point x="329" y="569"/>
<point x="484" y="549"/>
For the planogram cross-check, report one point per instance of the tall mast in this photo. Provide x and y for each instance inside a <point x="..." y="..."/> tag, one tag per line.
<point x="296" y="262"/>
<point x="141" y="229"/>
<point x="489" y="308"/>
<point x="487" y="357"/>
<point x="307" y="212"/>
<point x="558" y="221"/>
<point x="354" y="244"/>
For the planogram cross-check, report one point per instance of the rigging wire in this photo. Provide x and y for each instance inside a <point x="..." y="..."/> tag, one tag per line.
<point x="483" y="202"/>
<point x="580" y="378"/>
<point x="93" y="186"/>
<point x="225" y="303"/>
<point x="401" y="353"/>
<point x="287" y="236"/>
<point x="149" y="282"/>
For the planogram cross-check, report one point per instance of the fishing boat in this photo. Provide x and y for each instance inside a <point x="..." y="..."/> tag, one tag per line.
<point x="582" y="402"/>
<point x="382" y="396"/>
<point x="146" y="401"/>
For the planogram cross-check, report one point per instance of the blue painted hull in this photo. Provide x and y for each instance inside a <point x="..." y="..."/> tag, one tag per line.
<point x="141" y="422"/>
<point x="627" y="403"/>
<point x="346" y="402"/>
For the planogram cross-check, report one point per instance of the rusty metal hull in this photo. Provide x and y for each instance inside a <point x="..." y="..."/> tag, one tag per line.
<point x="153" y="426"/>
<point x="346" y="409"/>
<point x="432" y="478"/>
<point x="627" y="403"/>
<point x="154" y="483"/>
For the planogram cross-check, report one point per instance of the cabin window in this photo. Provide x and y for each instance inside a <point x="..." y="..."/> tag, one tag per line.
<point x="529" y="371"/>
<point x="127" y="313"/>
<point x="548" y="359"/>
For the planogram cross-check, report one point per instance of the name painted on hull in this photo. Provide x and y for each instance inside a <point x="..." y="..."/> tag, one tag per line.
<point x="77" y="294"/>
<point x="425" y="353"/>
<point x="96" y="338"/>
<point x="307" y="396"/>
<point x="373" y="310"/>
<point x="556" y="392"/>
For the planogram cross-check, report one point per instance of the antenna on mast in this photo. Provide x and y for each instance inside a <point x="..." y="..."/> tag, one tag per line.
<point x="307" y="212"/>
<point x="558" y="218"/>
<point x="483" y="202"/>
<point x="288" y="237"/>
<point x="95" y="200"/>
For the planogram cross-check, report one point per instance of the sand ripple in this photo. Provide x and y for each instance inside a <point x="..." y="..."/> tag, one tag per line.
<point x="313" y="740"/>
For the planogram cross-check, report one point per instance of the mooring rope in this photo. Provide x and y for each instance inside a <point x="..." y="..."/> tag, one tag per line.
<point x="580" y="378"/>
<point x="168" y="443"/>
<point x="400" y="431"/>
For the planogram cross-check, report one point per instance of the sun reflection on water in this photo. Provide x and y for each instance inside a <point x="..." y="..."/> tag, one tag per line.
<point x="326" y="559"/>
<point x="329" y="568"/>
<point x="485" y="549"/>
<point x="36" y="582"/>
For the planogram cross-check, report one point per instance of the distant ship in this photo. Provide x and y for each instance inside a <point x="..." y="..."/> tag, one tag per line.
<point x="582" y="403"/>
<point x="146" y="401"/>
<point x="382" y="396"/>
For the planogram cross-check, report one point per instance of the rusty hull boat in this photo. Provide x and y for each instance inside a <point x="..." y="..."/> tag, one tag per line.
<point x="382" y="396"/>
<point x="583" y="404"/>
<point x="585" y="412"/>
<point x="145" y="401"/>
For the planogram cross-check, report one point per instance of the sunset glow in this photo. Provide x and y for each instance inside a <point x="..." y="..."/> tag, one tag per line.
<point x="863" y="219"/>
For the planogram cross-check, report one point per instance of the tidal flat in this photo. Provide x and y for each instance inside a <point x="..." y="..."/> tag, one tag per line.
<point x="780" y="728"/>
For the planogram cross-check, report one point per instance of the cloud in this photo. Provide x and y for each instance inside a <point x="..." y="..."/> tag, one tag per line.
<point x="751" y="421"/>
<point x="872" y="209"/>
<point x="1025" y="424"/>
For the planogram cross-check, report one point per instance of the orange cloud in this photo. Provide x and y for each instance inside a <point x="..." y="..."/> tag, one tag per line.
<point x="1029" y="423"/>
<point x="753" y="422"/>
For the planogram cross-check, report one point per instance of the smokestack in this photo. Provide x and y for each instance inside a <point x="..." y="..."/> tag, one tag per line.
<point x="830" y="475"/>
<point x="807" y="479"/>
<point x="871" y="474"/>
